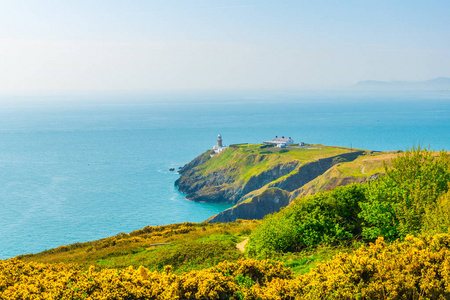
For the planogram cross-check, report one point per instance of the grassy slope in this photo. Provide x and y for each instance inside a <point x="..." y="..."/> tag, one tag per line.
<point x="347" y="172"/>
<point x="303" y="261"/>
<point x="191" y="246"/>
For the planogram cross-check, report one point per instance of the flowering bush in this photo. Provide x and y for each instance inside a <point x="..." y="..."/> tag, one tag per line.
<point x="416" y="268"/>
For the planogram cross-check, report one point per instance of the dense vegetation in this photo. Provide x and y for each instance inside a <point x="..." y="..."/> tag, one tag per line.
<point x="403" y="201"/>
<point x="328" y="217"/>
<point x="386" y="239"/>
<point x="410" y="199"/>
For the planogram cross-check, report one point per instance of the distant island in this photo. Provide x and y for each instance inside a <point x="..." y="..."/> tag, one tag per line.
<point x="440" y="83"/>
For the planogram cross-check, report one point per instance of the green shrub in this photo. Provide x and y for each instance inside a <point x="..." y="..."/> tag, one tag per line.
<point x="325" y="218"/>
<point x="437" y="216"/>
<point x="397" y="203"/>
<point x="194" y="255"/>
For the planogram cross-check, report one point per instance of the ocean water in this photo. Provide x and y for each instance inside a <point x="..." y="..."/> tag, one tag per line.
<point x="75" y="170"/>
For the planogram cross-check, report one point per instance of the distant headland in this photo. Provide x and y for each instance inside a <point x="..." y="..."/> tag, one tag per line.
<point x="260" y="179"/>
<point x="440" y="83"/>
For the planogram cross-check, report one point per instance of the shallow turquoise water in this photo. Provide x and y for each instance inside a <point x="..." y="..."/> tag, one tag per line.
<point x="86" y="170"/>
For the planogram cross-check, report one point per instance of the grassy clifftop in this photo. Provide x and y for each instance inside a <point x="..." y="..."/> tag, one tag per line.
<point x="245" y="161"/>
<point x="239" y="170"/>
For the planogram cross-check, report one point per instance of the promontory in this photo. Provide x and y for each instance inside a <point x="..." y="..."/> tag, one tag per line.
<point x="261" y="179"/>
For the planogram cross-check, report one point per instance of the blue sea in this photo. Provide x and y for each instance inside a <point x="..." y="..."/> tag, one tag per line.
<point x="80" y="168"/>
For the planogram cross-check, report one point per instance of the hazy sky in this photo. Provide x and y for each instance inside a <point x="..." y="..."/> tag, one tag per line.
<point x="227" y="45"/>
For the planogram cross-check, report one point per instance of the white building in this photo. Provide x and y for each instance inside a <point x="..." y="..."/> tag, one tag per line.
<point x="219" y="147"/>
<point x="280" y="142"/>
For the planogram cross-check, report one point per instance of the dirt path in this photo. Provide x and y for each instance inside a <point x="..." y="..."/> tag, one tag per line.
<point x="241" y="245"/>
<point x="363" y="169"/>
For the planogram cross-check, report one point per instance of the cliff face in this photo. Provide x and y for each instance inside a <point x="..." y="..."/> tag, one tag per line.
<point x="312" y="170"/>
<point x="269" y="201"/>
<point x="228" y="182"/>
<point x="361" y="170"/>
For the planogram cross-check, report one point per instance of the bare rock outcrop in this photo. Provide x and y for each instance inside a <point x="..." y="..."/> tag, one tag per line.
<point x="269" y="201"/>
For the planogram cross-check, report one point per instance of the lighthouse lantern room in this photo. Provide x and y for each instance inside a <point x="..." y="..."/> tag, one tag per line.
<point x="219" y="141"/>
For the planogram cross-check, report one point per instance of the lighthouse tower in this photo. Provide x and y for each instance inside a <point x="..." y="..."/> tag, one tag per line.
<point x="219" y="147"/>
<point x="219" y="141"/>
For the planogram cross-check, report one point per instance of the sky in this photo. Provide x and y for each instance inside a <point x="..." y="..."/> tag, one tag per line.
<point x="173" y="45"/>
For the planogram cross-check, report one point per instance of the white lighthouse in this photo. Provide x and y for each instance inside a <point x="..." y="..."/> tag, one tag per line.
<point x="219" y="147"/>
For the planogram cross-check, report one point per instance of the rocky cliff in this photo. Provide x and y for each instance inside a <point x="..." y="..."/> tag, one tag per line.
<point x="269" y="201"/>
<point x="228" y="181"/>
<point x="311" y="170"/>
